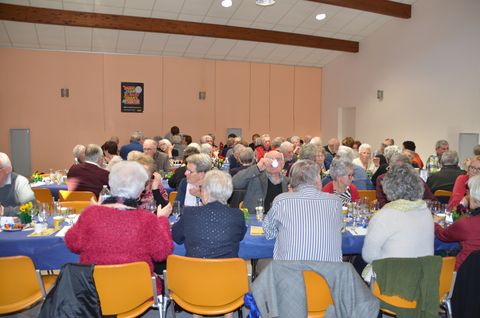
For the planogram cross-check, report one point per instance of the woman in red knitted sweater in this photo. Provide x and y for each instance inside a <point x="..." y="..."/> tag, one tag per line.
<point x="117" y="232"/>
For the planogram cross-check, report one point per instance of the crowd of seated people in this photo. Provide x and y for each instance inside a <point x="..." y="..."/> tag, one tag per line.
<point x="289" y="175"/>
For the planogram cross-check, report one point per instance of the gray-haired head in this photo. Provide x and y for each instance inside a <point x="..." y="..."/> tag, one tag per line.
<point x="399" y="159"/>
<point x="304" y="172"/>
<point x="390" y="151"/>
<point x="474" y="188"/>
<point x="217" y="185"/>
<point x="277" y="141"/>
<point x="188" y="151"/>
<point x="340" y="167"/>
<point x="236" y="149"/>
<point x="176" y="139"/>
<point x="137" y="136"/>
<point x="195" y="145"/>
<point x="79" y="153"/>
<point x="93" y="153"/>
<point x="127" y="179"/>
<point x="5" y="160"/>
<point x="364" y="147"/>
<point x="206" y="149"/>
<point x="246" y="156"/>
<point x="476" y="150"/>
<point x="202" y="162"/>
<point x="402" y="182"/>
<point x="310" y="151"/>
<point x="449" y="158"/>
<point x="441" y="143"/>
<point x="345" y="153"/>
<point x="316" y="141"/>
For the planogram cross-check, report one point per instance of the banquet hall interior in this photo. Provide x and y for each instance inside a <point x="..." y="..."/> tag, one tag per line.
<point x="403" y="69"/>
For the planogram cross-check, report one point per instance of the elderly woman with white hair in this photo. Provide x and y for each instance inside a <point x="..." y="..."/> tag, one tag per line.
<point x="117" y="231"/>
<point x="365" y="159"/>
<point x="341" y="172"/>
<point x="403" y="227"/>
<point x="465" y="230"/>
<point x="213" y="230"/>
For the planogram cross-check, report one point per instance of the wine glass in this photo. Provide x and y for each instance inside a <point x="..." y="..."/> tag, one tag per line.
<point x="176" y="209"/>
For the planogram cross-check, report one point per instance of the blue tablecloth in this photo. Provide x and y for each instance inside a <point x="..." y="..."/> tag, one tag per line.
<point x="50" y="252"/>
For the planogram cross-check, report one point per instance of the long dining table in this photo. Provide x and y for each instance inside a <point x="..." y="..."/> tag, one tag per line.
<point x="50" y="252"/>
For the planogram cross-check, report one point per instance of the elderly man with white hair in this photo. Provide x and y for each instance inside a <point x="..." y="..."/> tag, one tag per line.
<point x="287" y="149"/>
<point x="88" y="175"/>
<point x="360" y="177"/>
<point x="162" y="163"/>
<point x="14" y="188"/>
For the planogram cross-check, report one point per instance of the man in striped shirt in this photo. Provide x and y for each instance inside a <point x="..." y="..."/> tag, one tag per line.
<point x="306" y="223"/>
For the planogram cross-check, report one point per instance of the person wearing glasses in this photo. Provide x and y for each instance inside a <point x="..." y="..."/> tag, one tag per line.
<point x="189" y="190"/>
<point x="460" y="189"/>
<point x="341" y="172"/>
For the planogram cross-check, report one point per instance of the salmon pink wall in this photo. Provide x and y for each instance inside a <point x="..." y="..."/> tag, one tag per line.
<point x="263" y="98"/>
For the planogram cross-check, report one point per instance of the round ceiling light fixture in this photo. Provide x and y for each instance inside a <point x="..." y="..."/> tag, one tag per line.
<point x="264" y="3"/>
<point x="320" y="16"/>
<point x="226" y="3"/>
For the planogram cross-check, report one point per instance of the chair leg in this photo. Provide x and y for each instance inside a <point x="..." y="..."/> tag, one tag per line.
<point x="240" y="312"/>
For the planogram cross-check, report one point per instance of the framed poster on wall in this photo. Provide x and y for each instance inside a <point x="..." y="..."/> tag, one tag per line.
<point x="131" y="97"/>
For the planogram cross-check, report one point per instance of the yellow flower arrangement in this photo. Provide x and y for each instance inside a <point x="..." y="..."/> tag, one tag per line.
<point x="36" y="177"/>
<point x="24" y="213"/>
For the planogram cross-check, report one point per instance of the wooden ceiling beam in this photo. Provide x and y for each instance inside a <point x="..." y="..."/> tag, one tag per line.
<point x="121" y="22"/>
<point x="385" y="7"/>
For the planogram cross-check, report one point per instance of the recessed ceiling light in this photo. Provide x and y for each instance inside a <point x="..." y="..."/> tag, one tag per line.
<point x="226" y="3"/>
<point x="265" y="2"/>
<point x="320" y="16"/>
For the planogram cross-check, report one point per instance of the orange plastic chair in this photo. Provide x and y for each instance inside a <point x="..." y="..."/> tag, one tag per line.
<point x="371" y="195"/>
<point x="318" y="294"/>
<point x="65" y="195"/>
<point x="442" y="195"/>
<point x="206" y="286"/>
<point x="21" y="285"/>
<point x="172" y="196"/>
<point x="446" y="278"/>
<point x="76" y="206"/>
<point x="126" y="290"/>
<point x="43" y="195"/>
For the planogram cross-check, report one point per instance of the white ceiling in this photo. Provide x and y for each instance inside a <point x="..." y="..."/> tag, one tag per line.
<point x="295" y="16"/>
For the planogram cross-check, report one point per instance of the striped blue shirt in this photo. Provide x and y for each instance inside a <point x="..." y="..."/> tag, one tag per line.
<point x="307" y="225"/>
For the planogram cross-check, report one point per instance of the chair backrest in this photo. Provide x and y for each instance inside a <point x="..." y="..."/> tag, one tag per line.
<point x="123" y="287"/>
<point x="446" y="276"/>
<point x="370" y="194"/>
<point x="207" y="286"/>
<point x="172" y="196"/>
<point x="442" y="195"/>
<point x="318" y="294"/>
<point x="77" y="206"/>
<point x="20" y="286"/>
<point x="43" y="195"/>
<point x="65" y="195"/>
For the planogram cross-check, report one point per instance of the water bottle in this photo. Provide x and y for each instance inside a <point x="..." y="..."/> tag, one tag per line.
<point x="226" y="165"/>
<point x="104" y="194"/>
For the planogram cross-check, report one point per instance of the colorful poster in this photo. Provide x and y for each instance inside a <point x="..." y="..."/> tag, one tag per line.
<point x="131" y="97"/>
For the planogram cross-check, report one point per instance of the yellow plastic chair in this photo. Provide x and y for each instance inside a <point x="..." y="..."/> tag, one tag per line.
<point x="76" y="206"/>
<point x="442" y="195"/>
<point x="446" y="283"/>
<point x="206" y="286"/>
<point x="371" y="195"/>
<point x="126" y="290"/>
<point x="172" y="196"/>
<point x="65" y="195"/>
<point x="447" y="280"/>
<point x="318" y="294"/>
<point x="43" y="195"/>
<point x="21" y="285"/>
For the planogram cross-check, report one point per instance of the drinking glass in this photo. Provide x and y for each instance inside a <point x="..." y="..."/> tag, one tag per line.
<point x="259" y="209"/>
<point x="176" y="209"/>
